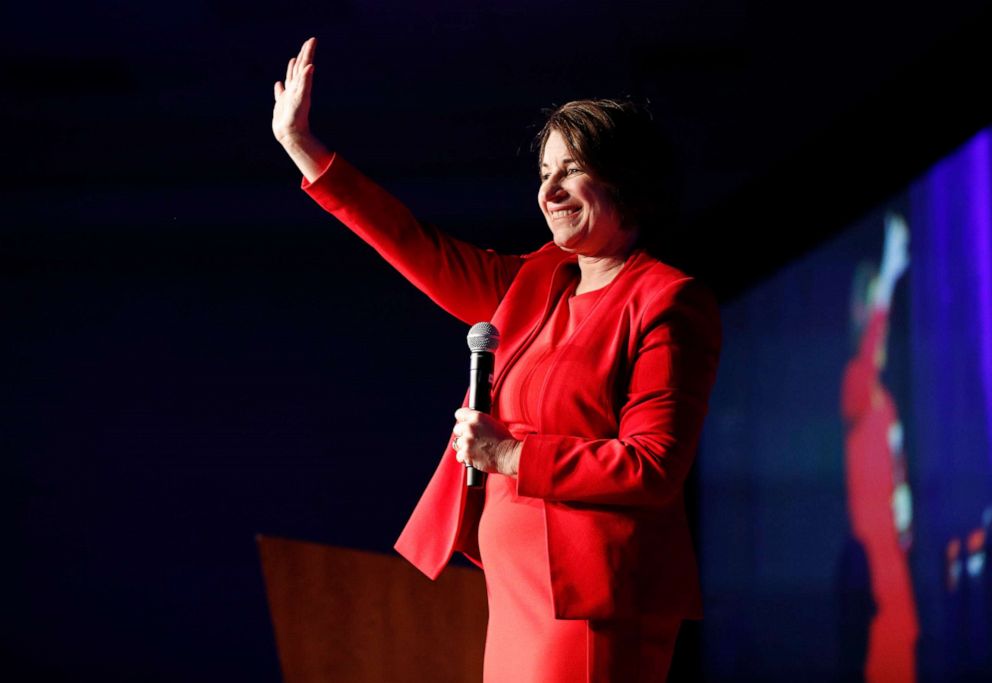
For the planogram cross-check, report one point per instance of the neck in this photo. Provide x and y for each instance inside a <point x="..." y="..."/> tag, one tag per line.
<point x="596" y="272"/>
<point x="599" y="271"/>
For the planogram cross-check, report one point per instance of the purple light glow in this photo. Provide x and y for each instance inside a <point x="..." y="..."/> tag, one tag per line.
<point x="980" y="225"/>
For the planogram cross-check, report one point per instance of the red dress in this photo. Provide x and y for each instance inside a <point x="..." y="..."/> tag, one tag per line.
<point x="871" y="472"/>
<point x="524" y="641"/>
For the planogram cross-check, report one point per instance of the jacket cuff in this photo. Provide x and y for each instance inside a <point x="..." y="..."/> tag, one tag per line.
<point x="336" y="185"/>
<point x="537" y="460"/>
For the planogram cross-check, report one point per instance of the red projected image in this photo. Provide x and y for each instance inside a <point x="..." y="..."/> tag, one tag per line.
<point x="850" y="451"/>
<point x="879" y="501"/>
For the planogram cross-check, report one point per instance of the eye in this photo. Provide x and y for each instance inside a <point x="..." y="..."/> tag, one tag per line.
<point x="572" y="170"/>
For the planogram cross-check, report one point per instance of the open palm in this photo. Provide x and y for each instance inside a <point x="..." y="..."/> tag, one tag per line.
<point x="291" y="113"/>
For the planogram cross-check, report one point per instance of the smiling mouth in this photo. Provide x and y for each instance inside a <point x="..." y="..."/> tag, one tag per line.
<point x="564" y="213"/>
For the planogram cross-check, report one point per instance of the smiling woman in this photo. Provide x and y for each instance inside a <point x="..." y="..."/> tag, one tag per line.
<point x="618" y="143"/>
<point x="583" y="216"/>
<point x="602" y="378"/>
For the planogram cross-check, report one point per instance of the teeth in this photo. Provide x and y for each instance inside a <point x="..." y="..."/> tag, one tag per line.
<point x="563" y="213"/>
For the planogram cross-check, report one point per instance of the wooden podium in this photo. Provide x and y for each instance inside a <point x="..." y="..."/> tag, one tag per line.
<point x="360" y="617"/>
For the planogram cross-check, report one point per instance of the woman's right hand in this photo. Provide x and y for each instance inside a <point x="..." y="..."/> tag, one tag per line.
<point x="895" y="252"/>
<point x="291" y="113"/>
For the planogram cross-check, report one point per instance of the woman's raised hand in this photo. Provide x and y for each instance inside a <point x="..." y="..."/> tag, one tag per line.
<point x="291" y="113"/>
<point x="895" y="252"/>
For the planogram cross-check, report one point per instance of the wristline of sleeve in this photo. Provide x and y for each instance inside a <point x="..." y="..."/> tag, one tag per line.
<point x="536" y="466"/>
<point x="336" y="185"/>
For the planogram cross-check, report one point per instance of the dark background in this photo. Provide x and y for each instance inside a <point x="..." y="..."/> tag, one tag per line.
<point x="196" y="354"/>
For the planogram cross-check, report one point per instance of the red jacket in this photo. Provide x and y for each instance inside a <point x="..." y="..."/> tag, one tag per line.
<point x="620" y="416"/>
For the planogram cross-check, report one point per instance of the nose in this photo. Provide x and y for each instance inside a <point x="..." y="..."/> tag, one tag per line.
<point x="552" y="190"/>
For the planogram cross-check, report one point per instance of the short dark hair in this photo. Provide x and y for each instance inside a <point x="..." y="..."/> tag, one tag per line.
<point x="618" y="142"/>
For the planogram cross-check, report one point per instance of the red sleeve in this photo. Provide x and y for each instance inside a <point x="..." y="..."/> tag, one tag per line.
<point x="669" y="385"/>
<point x="861" y="374"/>
<point x="463" y="279"/>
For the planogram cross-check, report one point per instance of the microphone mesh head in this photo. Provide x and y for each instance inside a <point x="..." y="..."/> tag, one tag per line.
<point x="483" y="337"/>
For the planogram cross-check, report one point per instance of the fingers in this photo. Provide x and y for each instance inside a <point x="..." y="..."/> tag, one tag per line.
<point x="464" y="434"/>
<point x="304" y="58"/>
<point x="299" y="67"/>
<point x="467" y="415"/>
<point x="461" y="449"/>
<point x="463" y="441"/>
<point x="306" y="52"/>
<point x="289" y="71"/>
<point x="483" y="442"/>
<point x="302" y="53"/>
<point x="461" y="444"/>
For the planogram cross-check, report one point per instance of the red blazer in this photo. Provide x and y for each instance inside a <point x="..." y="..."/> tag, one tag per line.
<point x="620" y="415"/>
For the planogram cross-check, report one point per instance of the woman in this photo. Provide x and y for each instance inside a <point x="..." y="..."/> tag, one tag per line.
<point x="606" y="362"/>
<point x="879" y="501"/>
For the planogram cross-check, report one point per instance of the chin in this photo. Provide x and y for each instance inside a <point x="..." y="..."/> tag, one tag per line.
<point x="565" y="245"/>
<point x="566" y="241"/>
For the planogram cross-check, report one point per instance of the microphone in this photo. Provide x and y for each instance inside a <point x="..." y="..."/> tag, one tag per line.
<point x="483" y="339"/>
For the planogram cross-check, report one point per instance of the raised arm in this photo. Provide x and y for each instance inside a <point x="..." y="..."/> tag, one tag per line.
<point x="895" y="261"/>
<point x="861" y="376"/>
<point x="465" y="280"/>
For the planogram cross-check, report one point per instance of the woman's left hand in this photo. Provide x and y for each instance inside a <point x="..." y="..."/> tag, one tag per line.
<point x="485" y="443"/>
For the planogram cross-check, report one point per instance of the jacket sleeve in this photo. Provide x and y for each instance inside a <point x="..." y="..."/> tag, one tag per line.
<point x="861" y="374"/>
<point x="672" y="372"/>
<point x="463" y="279"/>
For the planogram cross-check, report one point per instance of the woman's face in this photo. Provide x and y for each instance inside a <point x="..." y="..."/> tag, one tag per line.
<point x="579" y="209"/>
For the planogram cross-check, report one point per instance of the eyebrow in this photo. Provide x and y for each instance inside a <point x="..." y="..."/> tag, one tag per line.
<point x="566" y="160"/>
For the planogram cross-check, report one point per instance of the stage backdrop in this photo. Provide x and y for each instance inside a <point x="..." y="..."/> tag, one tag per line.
<point x="846" y="469"/>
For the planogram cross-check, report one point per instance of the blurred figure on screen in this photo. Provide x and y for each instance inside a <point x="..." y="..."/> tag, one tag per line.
<point x="878" y="496"/>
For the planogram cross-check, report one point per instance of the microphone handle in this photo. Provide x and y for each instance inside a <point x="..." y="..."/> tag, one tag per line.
<point x="480" y="387"/>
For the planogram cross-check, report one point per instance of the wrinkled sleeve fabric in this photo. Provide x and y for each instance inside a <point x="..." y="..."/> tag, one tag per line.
<point x="465" y="280"/>
<point x="669" y="382"/>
